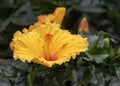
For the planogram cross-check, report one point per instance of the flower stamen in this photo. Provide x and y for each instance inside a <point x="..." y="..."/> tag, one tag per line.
<point x="48" y="56"/>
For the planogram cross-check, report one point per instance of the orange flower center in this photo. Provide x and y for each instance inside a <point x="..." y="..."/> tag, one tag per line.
<point x="48" y="56"/>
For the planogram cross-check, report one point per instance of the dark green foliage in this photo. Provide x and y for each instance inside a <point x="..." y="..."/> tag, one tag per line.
<point x="99" y="66"/>
<point x="13" y="73"/>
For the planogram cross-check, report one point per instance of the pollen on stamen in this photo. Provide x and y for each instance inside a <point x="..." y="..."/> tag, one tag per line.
<point x="48" y="36"/>
<point x="48" y="56"/>
<point x="51" y="58"/>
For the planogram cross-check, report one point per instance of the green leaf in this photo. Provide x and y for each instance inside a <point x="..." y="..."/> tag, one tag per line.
<point x="12" y="72"/>
<point x="91" y="6"/>
<point x="117" y="69"/>
<point x="5" y="82"/>
<point x="93" y="10"/>
<point x="33" y="74"/>
<point x="4" y="24"/>
<point x="92" y="40"/>
<point x="21" y="66"/>
<point x="114" y="82"/>
<point x="23" y="16"/>
<point x="98" y="55"/>
<point x="62" y="75"/>
<point x="100" y="43"/>
<point x="102" y="34"/>
<point x="97" y="78"/>
<point x="6" y="68"/>
<point x="99" y="58"/>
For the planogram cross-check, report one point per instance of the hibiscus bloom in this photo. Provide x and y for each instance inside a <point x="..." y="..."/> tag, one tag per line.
<point x="47" y="44"/>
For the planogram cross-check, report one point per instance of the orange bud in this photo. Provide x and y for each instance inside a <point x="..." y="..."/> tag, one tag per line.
<point x="83" y="26"/>
<point x="41" y="19"/>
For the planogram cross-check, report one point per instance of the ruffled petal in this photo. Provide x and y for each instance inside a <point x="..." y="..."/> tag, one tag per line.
<point x="27" y="46"/>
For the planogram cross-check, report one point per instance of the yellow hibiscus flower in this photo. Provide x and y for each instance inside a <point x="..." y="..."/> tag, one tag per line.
<point x="47" y="44"/>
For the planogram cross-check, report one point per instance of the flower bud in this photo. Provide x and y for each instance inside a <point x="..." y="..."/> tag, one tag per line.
<point x="83" y="26"/>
